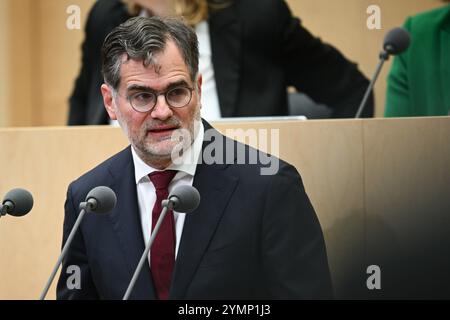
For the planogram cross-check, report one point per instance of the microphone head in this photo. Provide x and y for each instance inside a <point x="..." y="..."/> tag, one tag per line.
<point x="185" y="198"/>
<point x="396" y="41"/>
<point x="21" y="200"/>
<point x="104" y="199"/>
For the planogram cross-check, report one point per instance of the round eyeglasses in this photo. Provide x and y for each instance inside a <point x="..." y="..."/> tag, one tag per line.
<point x="145" y="101"/>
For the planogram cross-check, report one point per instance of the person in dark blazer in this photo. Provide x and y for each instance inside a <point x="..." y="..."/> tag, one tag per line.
<point x="418" y="83"/>
<point x="254" y="235"/>
<point x="258" y="50"/>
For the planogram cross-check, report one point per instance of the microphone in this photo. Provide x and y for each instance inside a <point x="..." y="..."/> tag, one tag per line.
<point x="17" y="202"/>
<point x="99" y="200"/>
<point x="184" y="199"/>
<point x="395" y="42"/>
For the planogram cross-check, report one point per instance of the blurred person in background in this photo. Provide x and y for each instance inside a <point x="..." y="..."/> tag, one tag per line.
<point x="419" y="80"/>
<point x="250" y="53"/>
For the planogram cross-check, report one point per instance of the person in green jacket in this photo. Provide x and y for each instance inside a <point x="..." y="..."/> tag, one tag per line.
<point x="419" y="80"/>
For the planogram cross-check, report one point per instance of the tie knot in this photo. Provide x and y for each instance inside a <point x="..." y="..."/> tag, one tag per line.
<point x="161" y="179"/>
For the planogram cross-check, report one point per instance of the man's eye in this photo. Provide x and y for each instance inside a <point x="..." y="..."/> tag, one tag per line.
<point x="177" y="92"/>
<point x="143" y="97"/>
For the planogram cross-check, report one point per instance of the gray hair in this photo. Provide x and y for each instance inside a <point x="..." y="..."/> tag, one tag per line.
<point x="140" y="38"/>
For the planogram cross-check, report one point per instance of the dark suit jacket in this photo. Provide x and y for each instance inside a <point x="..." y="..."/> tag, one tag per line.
<point x="258" y="50"/>
<point x="252" y="236"/>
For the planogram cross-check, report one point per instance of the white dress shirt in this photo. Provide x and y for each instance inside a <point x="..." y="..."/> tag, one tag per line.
<point x="146" y="190"/>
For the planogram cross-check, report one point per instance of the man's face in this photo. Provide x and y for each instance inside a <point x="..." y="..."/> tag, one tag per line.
<point x="150" y="133"/>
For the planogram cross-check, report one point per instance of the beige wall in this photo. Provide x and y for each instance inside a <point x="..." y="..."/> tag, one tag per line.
<point x="44" y="56"/>
<point x="23" y="46"/>
<point x="57" y="72"/>
<point x="4" y="58"/>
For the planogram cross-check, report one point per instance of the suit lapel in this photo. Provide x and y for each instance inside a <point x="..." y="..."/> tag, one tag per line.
<point x="215" y="187"/>
<point x="445" y="64"/>
<point x="225" y="33"/>
<point x="127" y="224"/>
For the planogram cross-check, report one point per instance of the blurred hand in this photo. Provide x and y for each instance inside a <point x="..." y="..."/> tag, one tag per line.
<point x="156" y="7"/>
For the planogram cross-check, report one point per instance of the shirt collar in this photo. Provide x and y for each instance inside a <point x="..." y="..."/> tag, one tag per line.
<point x="186" y="166"/>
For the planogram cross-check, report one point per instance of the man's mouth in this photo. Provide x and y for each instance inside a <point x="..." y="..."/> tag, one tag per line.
<point x="162" y="130"/>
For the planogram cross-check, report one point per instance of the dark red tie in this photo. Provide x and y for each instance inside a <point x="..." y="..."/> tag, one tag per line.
<point x="162" y="252"/>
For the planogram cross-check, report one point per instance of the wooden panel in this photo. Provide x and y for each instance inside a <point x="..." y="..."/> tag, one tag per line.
<point x="327" y="153"/>
<point x="43" y="161"/>
<point x="407" y="187"/>
<point x="379" y="187"/>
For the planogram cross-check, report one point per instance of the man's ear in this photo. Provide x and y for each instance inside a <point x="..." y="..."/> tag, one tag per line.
<point x="199" y="86"/>
<point x="108" y="101"/>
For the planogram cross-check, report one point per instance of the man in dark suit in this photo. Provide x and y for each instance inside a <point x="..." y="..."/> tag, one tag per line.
<point x="258" y="49"/>
<point x="255" y="233"/>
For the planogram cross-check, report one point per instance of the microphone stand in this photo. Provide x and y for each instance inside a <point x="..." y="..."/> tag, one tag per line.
<point x="3" y="210"/>
<point x="83" y="206"/>
<point x="167" y="204"/>
<point x="384" y="56"/>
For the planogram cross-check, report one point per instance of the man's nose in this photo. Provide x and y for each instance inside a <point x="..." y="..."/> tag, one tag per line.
<point x="161" y="110"/>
